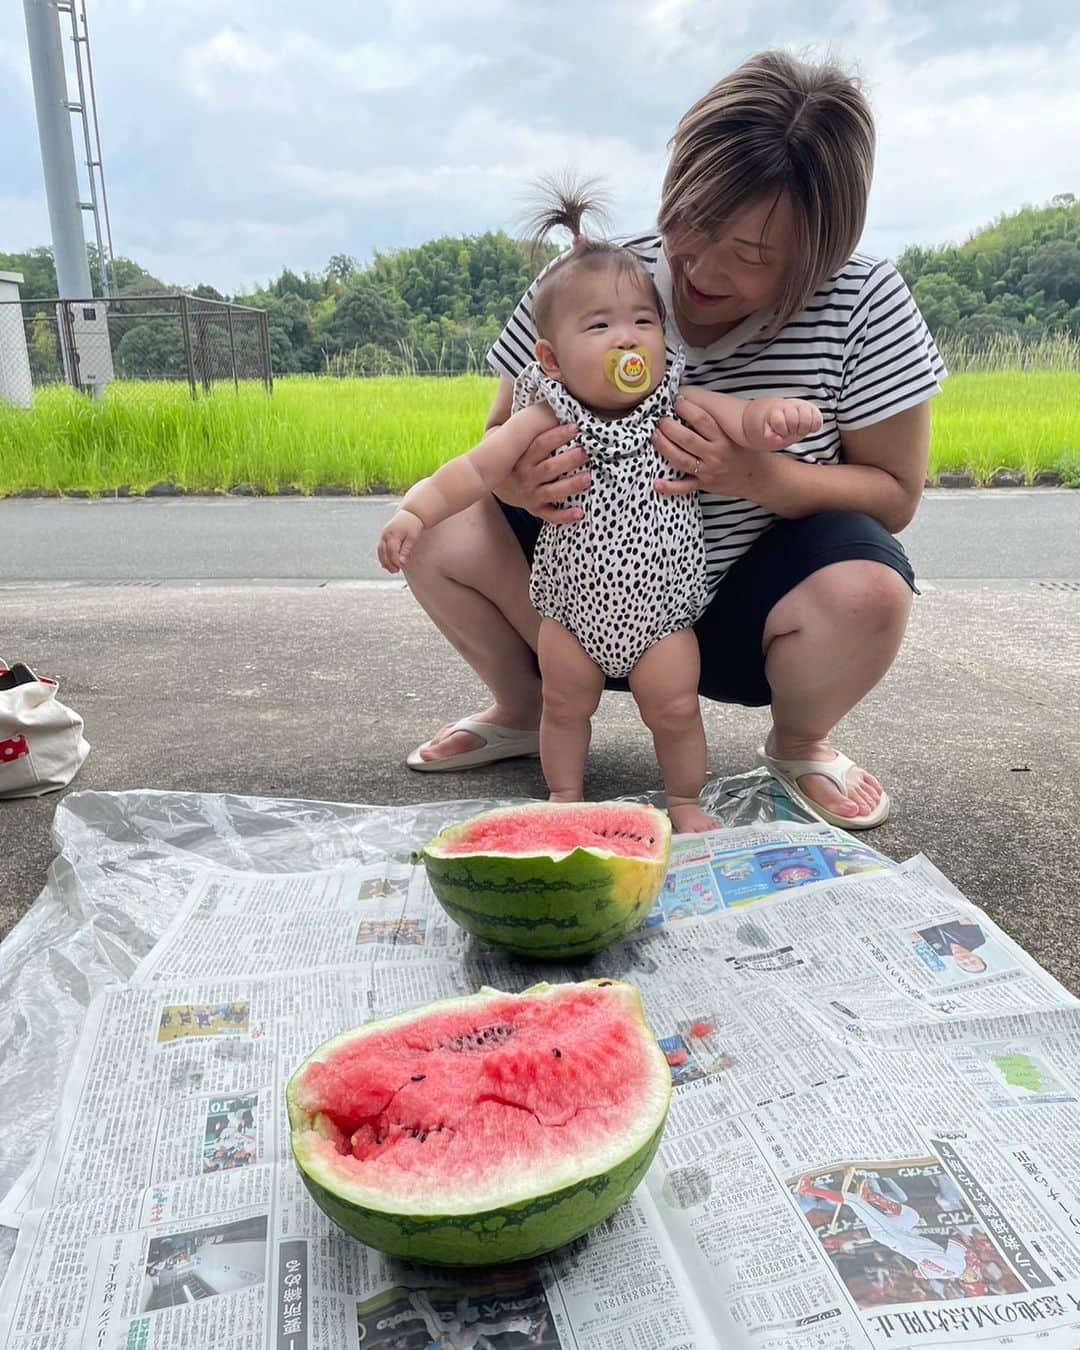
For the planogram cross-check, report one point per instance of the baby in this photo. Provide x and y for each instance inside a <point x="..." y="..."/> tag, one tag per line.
<point x="617" y="592"/>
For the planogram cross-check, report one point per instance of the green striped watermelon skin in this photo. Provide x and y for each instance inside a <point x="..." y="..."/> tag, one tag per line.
<point x="497" y="1236"/>
<point x="483" y="1067"/>
<point x="549" y="907"/>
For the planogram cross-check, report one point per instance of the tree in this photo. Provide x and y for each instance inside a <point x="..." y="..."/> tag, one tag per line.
<point x="152" y="350"/>
<point x="364" y="314"/>
<point x="131" y="279"/>
<point x="1054" y="269"/>
<point x="983" y="330"/>
<point x="341" y="267"/>
<point x="943" y="300"/>
<point x="307" y="287"/>
<point x="36" y="266"/>
<point x="44" y="350"/>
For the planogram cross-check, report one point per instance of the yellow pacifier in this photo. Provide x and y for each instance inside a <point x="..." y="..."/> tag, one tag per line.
<point x="629" y="370"/>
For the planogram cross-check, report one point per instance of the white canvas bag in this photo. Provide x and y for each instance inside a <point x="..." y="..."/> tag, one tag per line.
<point x="41" y="742"/>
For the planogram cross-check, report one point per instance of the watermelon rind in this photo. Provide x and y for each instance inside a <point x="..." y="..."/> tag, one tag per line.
<point x="523" y="1218"/>
<point x="549" y="906"/>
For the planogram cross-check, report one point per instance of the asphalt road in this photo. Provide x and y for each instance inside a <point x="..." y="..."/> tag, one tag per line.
<point x="316" y="684"/>
<point x="1002" y="534"/>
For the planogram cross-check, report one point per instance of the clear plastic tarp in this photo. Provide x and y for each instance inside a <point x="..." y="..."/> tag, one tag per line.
<point x="126" y="863"/>
<point x="873" y="1138"/>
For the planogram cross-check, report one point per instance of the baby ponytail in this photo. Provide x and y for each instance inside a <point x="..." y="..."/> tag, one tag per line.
<point x="563" y="202"/>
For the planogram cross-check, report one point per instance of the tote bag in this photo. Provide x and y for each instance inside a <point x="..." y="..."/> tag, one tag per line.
<point x="42" y="745"/>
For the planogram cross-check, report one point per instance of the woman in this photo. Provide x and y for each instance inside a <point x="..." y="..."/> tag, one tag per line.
<point x="763" y="202"/>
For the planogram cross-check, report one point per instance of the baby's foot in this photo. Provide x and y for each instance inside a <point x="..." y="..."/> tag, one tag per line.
<point x="689" y="818"/>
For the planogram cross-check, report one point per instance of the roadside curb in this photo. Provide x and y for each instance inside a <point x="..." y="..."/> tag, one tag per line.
<point x="1003" y="478"/>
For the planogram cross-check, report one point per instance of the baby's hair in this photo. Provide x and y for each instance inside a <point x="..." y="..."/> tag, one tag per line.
<point x="563" y="202"/>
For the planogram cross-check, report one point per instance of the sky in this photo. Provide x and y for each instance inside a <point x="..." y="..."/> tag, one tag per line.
<point x="241" y="136"/>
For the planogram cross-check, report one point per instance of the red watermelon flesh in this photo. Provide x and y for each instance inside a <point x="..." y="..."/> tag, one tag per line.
<point x="460" y="1104"/>
<point x="609" y="827"/>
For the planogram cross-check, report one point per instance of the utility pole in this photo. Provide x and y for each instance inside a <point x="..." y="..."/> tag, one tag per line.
<point x="57" y="148"/>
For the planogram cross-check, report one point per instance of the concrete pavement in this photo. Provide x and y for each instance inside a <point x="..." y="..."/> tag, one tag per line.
<point x="319" y="691"/>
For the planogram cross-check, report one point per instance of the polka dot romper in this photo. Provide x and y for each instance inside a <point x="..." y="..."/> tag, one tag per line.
<point x="633" y="570"/>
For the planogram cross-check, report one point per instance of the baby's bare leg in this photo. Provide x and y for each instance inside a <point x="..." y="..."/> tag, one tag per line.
<point x="572" y="685"/>
<point x="665" y="684"/>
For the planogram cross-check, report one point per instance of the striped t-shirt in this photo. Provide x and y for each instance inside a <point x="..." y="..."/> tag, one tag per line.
<point x="859" y="350"/>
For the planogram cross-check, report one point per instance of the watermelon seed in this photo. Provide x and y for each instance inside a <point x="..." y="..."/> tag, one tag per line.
<point x="418" y="1077"/>
<point x="557" y="1054"/>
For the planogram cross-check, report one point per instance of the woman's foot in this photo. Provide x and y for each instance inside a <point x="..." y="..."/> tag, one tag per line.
<point x="864" y="792"/>
<point x="449" y="741"/>
<point x="689" y="818"/>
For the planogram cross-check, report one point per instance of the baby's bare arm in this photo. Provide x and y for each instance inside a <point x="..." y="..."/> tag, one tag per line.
<point x="767" y="423"/>
<point x="725" y="409"/>
<point x="471" y="476"/>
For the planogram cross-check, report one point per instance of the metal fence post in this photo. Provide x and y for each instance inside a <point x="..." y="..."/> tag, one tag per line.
<point x="185" y="324"/>
<point x="264" y="340"/>
<point x="202" y="352"/>
<point x="232" y="350"/>
<point x="67" y="344"/>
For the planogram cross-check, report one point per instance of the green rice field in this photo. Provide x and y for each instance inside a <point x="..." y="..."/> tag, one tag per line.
<point x="383" y="433"/>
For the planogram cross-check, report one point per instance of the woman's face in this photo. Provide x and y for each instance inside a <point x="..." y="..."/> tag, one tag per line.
<point x="718" y="279"/>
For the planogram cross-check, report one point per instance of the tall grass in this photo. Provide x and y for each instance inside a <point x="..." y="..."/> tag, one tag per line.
<point x="390" y="431"/>
<point x="369" y="360"/>
<point x="1056" y="351"/>
<point x="310" y="432"/>
<point x="1028" y="421"/>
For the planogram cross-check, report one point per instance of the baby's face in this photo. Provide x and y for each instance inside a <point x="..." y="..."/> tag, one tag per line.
<point x="601" y="313"/>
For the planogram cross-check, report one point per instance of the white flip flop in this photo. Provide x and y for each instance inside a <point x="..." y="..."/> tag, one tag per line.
<point x="498" y="743"/>
<point x="787" y="772"/>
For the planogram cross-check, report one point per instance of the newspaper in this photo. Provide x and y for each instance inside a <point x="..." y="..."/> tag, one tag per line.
<point x="874" y="1137"/>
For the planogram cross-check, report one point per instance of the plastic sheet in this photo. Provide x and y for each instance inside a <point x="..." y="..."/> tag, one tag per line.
<point x="127" y="861"/>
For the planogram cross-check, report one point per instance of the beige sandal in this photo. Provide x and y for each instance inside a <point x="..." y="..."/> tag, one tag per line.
<point x="787" y="772"/>
<point x="499" y="743"/>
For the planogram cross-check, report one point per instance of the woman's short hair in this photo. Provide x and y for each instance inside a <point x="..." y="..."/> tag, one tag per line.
<point x="774" y="126"/>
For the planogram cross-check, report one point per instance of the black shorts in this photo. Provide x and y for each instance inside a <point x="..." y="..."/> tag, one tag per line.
<point x="731" y="630"/>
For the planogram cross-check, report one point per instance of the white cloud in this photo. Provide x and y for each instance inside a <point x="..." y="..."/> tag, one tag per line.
<point x="281" y="72"/>
<point x="14" y="61"/>
<point x="277" y="134"/>
<point x="441" y="183"/>
<point x="967" y="135"/>
<point x="25" y="219"/>
<point x="492" y="161"/>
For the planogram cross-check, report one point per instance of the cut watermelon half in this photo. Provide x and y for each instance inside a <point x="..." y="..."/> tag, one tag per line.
<point x="550" y="879"/>
<point x="483" y="1129"/>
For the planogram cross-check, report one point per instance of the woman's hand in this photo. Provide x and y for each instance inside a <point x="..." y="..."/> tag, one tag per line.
<point x="709" y="459"/>
<point x="537" y="481"/>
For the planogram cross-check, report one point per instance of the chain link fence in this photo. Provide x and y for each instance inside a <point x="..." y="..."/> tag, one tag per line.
<point x="88" y="343"/>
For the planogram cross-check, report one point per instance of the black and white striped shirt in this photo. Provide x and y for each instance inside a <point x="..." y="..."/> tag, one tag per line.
<point x="859" y="350"/>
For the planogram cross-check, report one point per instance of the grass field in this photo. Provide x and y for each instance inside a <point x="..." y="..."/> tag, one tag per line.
<point x="361" y="434"/>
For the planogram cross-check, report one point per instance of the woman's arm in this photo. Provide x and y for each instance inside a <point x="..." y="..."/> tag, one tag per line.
<point x="883" y="473"/>
<point x="538" y="480"/>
